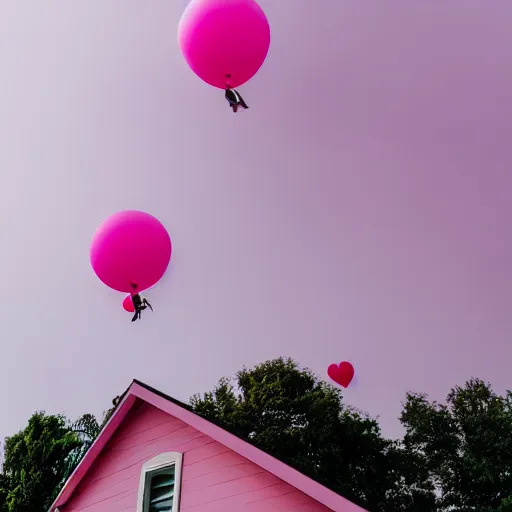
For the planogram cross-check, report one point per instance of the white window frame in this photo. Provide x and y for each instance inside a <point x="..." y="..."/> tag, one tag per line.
<point x="161" y="461"/>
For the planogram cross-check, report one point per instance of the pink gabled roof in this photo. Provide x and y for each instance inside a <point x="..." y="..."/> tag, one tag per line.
<point x="183" y="412"/>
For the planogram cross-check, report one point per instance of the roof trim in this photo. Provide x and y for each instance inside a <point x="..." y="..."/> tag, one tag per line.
<point x="183" y="412"/>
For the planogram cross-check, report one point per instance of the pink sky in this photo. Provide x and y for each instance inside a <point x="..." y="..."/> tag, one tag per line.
<point x="360" y="209"/>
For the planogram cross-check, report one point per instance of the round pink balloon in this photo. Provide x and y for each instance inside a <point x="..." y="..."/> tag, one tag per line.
<point x="225" y="42"/>
<point x="130" y="247"/>
<point x="128" y="304"/>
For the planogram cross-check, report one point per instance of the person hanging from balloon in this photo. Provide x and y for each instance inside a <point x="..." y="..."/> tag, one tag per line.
<point x="140" y="303"/>
<point x="234" y="98"/>
<point x="119" y="256"/>
<point x="215" y="44"/>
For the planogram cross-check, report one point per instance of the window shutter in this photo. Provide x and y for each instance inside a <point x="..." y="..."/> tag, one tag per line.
<point x="161" y="491"/>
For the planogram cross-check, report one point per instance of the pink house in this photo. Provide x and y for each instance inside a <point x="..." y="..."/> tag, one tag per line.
<point x="156" y="455"/>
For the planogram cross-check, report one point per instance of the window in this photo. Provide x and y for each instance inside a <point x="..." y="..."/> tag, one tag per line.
<point x="159" y="486"/>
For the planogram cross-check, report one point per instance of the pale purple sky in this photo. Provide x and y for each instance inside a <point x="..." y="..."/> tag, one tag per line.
<point x="360" y="210"/>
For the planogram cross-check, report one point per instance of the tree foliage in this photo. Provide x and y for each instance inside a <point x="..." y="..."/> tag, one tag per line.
<point x="302" y="420"/>
<point x="40" y="458"/>
<point x="34" y="462"/>
<point x="466" y="444"/>
<point x="86" y="428"/>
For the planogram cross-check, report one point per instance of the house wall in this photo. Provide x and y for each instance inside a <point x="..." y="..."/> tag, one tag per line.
<point x="214" y="478"/>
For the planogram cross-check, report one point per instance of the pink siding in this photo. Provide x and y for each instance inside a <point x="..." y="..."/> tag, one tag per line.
<point x="214" y="478"/>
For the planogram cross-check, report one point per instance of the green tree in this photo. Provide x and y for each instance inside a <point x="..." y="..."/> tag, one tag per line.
<point x="86" y="428"/>
<point x="40" y="458"/>
<point x="466" y="445"/>
<point x="34" y="462"/>
<point x="301" y="420"/>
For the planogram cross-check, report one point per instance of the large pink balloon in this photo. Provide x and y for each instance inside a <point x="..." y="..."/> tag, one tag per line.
<point x="128" y="304"/>
<point x="219" y="38"/>
<point x="130" y="247"/>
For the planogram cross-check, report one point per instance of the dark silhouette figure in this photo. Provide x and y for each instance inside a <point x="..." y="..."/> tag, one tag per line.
<point x="235" y="100"/>
<point x="140" y="304"/>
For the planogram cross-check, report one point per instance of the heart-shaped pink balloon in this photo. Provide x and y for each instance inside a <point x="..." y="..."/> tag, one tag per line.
<point x="342" y="373"/>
